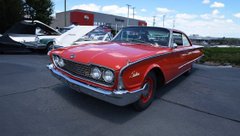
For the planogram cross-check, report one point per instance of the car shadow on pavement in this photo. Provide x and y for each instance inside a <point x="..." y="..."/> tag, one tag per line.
<point x="167" y="88"/>
<point x="93" y="106"/>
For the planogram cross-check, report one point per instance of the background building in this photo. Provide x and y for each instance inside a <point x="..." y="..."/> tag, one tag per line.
<point x="82" y="17"/>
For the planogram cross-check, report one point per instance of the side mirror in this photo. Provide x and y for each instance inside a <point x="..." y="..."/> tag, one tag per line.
<point x="175" y="45"/>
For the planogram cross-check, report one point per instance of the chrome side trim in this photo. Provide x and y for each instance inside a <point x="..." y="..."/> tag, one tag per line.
<point x="177" y="76"/>
<point x="190" y="62"/>
<point x="151" y="57"/>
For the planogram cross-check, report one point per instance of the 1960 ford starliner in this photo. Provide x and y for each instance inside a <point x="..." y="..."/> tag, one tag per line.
<point x="130" y="68"/>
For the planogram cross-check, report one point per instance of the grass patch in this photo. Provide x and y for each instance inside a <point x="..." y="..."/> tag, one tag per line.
<point x="222" y="56"/>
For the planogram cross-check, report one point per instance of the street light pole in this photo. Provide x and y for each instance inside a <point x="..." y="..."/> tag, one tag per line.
<point x="164" y="19"/>
<point x="65" y="15"/>
<point x="128" y="14"/>
<point x="133" y="12"/>
<point x="154" y="20"/>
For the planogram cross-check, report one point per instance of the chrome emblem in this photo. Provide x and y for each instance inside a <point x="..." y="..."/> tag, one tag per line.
<point x="134" y="74"/>
<point x="72" y="56"/>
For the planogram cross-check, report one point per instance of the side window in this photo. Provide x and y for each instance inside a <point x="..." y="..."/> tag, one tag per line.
<point x="180" y="39"/>
<point x="177" y="39"/>
<point x="185" y="41"/>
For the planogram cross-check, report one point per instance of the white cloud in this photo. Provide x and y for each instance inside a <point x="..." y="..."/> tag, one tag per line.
<point x="206" y="1"/>
<point x="89" y="7"/>
<point x="143" y="10"/>
<point x="164" y="10"/>
<point x="229" y="20"/>
<point x="217" y="5"/>
<point x="186" y="16"/>
<point x="215" y="27"/>
<point x="214" y="15"/>
<point x="115" y="9"/>
<point x="109" y="9"/>
<point x="215" y="12"/>
<point x="148" y="19"/>
<point x="237" y="15"/>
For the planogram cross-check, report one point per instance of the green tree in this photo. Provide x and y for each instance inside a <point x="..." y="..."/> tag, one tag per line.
<point x="11" y="11"/>
<point x="43" y="10"/>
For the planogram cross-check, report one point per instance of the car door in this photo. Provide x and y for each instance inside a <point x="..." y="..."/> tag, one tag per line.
<point x="181" y="50"/>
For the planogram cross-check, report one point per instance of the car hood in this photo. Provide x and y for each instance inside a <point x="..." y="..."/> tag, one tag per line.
<point x="22" y="37"/>
<point x="112" y="55"/>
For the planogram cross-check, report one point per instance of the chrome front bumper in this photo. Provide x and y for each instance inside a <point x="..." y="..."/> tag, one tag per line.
<point x="117" y="97"/>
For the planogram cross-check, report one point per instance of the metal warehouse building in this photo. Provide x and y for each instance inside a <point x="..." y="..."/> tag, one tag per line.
<point x="83" y="17"/>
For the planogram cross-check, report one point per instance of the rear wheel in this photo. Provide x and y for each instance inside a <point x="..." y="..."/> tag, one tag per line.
<point x="146" y="99"/>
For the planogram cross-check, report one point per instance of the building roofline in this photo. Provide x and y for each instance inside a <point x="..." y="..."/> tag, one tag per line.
<point x="102" y="14"/>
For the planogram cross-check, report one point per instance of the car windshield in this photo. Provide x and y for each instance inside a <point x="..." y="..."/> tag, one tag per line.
<point x="151" y="35"/>
<point x="94" y="35"/>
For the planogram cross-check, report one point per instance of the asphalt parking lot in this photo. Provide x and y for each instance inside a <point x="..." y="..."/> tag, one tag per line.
<point x="34" y="103"/>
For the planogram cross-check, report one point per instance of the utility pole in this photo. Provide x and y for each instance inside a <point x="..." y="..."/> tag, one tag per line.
<point x="128" y="14"/>
<point x="164" y="19"/>
<point x="154" y="17"/>
<point x="174" y="23"/>
<point x="133" y="12"/>
<point x="65" y="15"/>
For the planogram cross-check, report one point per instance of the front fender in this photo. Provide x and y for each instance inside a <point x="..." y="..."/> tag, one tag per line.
<point x="134" y="75"/>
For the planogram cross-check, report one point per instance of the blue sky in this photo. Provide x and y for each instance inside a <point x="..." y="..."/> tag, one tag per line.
<point x="205" y="17"/>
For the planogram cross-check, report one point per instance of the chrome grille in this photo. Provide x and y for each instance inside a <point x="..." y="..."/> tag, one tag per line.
<point x="77" y="69"/>
<point x="82" y="71"/>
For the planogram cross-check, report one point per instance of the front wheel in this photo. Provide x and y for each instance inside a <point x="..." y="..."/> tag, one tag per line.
<point x="146" y="99"/>
<point x="50" y="47"/>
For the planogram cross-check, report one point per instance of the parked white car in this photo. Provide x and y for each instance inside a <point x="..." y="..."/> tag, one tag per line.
<point x="28" y="34"/>
<point x="82" y="35"/>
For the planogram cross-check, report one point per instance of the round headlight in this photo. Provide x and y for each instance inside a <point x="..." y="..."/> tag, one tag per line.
<point x="108" y="76"/>
<point x="58" y="61"/>
<point x="96" y="73"/>
<point x="55" y="59"/>
<point x="61" y="62"/>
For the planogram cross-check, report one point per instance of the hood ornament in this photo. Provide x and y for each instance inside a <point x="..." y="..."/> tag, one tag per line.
<point x="72" y="56"/>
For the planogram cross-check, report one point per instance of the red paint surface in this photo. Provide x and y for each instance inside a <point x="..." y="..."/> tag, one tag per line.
<point x="81" y="18"/>
<point x="117" y="55"/>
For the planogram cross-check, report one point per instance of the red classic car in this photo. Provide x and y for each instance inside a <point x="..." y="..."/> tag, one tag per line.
<point x="130" y="68"/>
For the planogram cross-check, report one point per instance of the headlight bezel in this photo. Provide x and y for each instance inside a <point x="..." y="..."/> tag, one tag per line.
<point x="106" y="75"/>
<point x="58" y="61"/>
<point x="99" y="72"/>
<point x="103" y="73"/>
